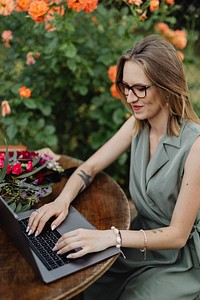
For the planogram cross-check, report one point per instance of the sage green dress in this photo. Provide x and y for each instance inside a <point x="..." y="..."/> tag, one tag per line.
<point x="154" y="186"/>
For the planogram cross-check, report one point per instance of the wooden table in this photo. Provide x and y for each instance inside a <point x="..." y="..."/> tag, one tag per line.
<point x="104" y="204"/>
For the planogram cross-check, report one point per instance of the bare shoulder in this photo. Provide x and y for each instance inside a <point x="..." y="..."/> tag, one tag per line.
<point x="193" y="159"/>
<point x="195" y="149"/>
<point x="128" y="125"/>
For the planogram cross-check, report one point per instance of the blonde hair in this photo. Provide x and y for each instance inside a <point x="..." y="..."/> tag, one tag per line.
<point x="163" y="67"/>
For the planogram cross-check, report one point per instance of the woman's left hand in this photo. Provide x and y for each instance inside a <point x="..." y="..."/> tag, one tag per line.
<point x="86" y="240"/>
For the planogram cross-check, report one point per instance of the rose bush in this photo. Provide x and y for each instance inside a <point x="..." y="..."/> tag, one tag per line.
<point x="58" y="61"/>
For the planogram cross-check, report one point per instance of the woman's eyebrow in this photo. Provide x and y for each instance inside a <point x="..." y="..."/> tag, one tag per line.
<point x="138" y="83"/>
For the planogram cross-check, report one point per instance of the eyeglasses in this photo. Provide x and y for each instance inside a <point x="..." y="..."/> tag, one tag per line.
<point x="138" y="90"/>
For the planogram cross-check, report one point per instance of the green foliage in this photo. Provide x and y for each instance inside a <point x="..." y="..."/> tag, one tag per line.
<point x="71" y="108"/>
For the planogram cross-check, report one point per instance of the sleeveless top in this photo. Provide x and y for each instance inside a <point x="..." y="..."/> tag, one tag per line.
<point x="154" y="188"/>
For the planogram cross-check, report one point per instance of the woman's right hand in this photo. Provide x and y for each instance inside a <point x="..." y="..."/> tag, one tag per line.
<point x="38" y="218"/>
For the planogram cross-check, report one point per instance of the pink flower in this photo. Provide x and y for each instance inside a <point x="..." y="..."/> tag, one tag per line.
<point x="136" y="2"/>
<point x="30" y="60"/>
<point x="6" y="37"/>
<point x="1" y="163"/>
<point x="5" y="108"/>
<point x="29" y="166"/>
<point x="8" y="169"/>
<point x="17" y="169"/>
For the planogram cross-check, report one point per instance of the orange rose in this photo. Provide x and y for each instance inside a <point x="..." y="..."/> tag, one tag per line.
<point x="5" y="108"/>
<point x="6" y="7"/>
<point x="154" y="5"/>
<point x="23" y="4"/>
<point x="37" y="9"/>
<point x="127" y="116"/>
<point x="76" y="5"/>
<point x="24" y="92"/>
<point x="114" y="91"/>
<point x="170" y="1"/>
<point x="112" y="71"/>
<point x="163" y="27"/>
<point x="180" y="39"/>
<point x="143" y="17"/>
<point x="90" y="6"/>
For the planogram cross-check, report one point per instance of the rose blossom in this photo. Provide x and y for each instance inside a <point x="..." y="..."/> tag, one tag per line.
<point x="1" y="163"/>
<point x="17" y="169"/>
<point x="29" y="166"/>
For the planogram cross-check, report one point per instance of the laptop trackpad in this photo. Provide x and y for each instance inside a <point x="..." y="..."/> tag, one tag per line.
<point x="74" y="221"/>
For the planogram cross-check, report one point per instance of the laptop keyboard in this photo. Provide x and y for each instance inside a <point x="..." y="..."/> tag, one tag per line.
<point x="43" y="244"/>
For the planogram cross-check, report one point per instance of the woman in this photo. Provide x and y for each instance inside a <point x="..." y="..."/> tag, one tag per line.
<point x="164" y="182"/>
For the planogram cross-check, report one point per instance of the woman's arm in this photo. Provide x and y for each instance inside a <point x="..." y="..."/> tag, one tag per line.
<point x="174" y="236"/>
<point x="81" y="178"/>
<point x="100" y="160"/>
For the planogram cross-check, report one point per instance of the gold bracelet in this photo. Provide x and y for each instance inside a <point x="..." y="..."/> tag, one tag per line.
<point x="145" y="244"/>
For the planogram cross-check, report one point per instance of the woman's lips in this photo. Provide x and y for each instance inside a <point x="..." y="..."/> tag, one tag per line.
<point x="137" y="107"/>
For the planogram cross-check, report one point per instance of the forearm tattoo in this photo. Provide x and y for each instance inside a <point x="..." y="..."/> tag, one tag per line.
<point x="157" y="230"/>
<point x="86" y="180"/>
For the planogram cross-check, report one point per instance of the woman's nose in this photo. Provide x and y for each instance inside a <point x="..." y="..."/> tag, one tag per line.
<point x="131" y="97"/>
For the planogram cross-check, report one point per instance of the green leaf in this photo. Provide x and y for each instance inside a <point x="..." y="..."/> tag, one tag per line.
<point x="52" y="141"/>
<point x="22" y="121"/>
<point x="33" y="172"/>
<point x="13" y="206"/>
<point x="2" y="183"/>
<point x="30" y="103"/>
<point x="69" y="50"/>
<point x="9" y="201"/>
<point x="11" y="131"/>
<point x="18" y="208"/>
<point x="25" y="207"/>
<point x="49" y="129"/>
<point x="46" y="111"/>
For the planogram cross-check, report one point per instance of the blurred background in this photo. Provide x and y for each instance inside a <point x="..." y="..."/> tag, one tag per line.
<point x="58" y="64"/>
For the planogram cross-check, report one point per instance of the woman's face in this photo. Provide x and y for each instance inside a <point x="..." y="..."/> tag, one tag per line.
<point x="147" y="107"/>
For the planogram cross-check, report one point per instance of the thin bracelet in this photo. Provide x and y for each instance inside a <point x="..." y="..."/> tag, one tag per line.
<point x="145" y="244"/>
<point x="118" y="240"/>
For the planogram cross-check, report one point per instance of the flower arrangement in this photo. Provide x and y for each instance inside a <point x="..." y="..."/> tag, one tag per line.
<point x="24" y="178"/>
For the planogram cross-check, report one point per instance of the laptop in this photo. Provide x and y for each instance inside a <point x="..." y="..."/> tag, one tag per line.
<point x="38" y="250"/>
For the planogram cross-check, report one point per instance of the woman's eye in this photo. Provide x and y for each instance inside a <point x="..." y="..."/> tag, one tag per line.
<point x="140" y="88"/>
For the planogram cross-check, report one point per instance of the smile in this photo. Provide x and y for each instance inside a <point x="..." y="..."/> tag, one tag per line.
<point x="137" y="107"/>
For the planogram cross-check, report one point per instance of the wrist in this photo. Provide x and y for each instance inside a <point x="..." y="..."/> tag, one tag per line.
<point x="63" y="201"/>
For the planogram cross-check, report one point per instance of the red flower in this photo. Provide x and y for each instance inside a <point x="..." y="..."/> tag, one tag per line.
<point x="39" y="177"/>
<point x="29" y="166"/>
<point x="1" y="163"/>
<point x="17" y="169"/>
<point x="2" y="156"/>
<point x="8" y="169"/>
<point x="26" y="154"/>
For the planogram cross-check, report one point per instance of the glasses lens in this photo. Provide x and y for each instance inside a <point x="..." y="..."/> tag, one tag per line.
<point x="139" y="91"/>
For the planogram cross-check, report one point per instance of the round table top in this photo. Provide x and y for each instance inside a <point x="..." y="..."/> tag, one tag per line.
<point x="104" y="204"/>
